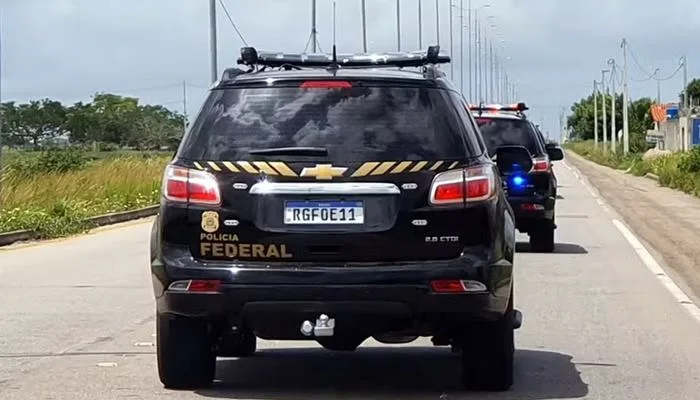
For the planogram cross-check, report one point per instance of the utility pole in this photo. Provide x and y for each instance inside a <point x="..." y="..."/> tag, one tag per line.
<point x="212" y="41"/>
<point x="595" y="113"/>
<point x="657" y="74"/>
<point x="314" y="37"/>
<point x="452" y="47"/>
<point x="398" y="25"/>
<point x="437" y="20"/>
<point x="604" y="93"/>
<point x="420" y="24"/>
<point x="685" y="83"/>
<point x="613" y="127"/>
<point x="184" y="107"/>
<point x="625" y="102"/>
<point x="364" y="26"/>
<point x="461" y="51"/>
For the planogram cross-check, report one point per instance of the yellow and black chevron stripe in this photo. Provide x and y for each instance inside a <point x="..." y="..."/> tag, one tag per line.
<point x="273" y="168"/>
<point x="370" y="168"/>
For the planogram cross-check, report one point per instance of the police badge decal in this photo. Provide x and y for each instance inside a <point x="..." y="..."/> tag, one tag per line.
<point x="210" y="221"/>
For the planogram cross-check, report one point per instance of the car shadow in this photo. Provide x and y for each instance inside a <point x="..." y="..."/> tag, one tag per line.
<point x="559" y="248"/>
<point x="386" y="373"/>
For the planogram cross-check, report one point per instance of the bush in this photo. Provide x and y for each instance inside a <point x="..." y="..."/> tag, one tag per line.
<point x="690" y="161"/>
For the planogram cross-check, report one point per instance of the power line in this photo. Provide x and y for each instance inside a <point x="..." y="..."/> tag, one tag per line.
<point x="233" y="24"/>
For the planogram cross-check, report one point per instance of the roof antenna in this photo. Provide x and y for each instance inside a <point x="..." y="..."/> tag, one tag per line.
<point x="334" y="64"/>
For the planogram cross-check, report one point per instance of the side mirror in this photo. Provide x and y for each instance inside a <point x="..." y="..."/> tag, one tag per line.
<point x="554" y="152"/>
<point x="513" y="159"/>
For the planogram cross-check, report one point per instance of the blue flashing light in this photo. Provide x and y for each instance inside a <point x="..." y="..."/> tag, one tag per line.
<point x="518" y="180"/>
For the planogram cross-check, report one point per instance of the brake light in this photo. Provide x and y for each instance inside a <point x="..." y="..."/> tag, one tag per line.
<point x="190" y="185"/>
<point x="326" y="85"/>
<point x="198" y="286"/>
<point x="463" y="185"/>
<point x="540" y="164"/>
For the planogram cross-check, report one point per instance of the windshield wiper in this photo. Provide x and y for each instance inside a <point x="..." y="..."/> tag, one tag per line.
<point x="291" y="151"/>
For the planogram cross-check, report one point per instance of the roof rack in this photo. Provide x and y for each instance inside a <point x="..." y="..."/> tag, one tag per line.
<point x="251" y="57"/>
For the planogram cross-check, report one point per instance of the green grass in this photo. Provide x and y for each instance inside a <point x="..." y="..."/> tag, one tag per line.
<point x="679" y="170"/>
<point x="56" y="203"/>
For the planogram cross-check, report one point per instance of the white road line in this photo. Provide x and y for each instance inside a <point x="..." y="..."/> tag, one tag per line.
<point x="656" y="269"/>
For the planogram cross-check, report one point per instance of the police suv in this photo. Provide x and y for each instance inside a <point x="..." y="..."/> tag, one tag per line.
<point x="334" y="198"/>
<point x="533" y="193"/>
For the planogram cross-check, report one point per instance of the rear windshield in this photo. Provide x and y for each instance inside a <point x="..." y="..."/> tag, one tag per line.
<point x="365" y="123"/>
<point x="508" y="132"/>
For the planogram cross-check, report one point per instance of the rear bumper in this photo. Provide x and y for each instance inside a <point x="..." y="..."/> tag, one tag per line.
<point x="399" y="290"/>
<point x="532" y="211"/>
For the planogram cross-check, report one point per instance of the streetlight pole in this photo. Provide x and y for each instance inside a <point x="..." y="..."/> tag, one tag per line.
<point x="364" y="26"/>
<point x="212" y="41"/>
<point x="398" y="25"/>
<point x="452" y="48"/>
<point x="461" y="50"/>
<point x="437" y="20"/>
<point x="469" y="45"/>
<point x="420" y="24"/>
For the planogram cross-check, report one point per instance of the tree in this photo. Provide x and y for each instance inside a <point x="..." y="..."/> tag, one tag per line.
<point x="109" y="119"/>
<point x="39" y="121"/>
<point x="582" y="126"/>
<point x="693" y="90"/>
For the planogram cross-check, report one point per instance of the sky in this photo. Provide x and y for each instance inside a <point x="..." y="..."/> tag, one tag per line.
<point x="552" y="50"/>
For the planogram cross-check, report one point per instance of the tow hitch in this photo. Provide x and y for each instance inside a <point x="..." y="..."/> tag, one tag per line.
<point x="323" y="327"/>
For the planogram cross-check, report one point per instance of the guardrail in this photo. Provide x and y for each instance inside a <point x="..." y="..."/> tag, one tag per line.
<point x="100" y="220"/>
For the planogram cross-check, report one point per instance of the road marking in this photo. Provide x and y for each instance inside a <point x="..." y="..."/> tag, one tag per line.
<point x="656" y="269"/>
<point x="107" y="364"/>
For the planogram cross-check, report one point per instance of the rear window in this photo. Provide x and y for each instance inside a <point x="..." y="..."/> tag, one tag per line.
<point x="365" y="123"/>
<point x="507" y="132"/>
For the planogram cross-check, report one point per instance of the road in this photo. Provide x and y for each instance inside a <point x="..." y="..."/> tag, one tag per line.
<point x="76" y="322"/>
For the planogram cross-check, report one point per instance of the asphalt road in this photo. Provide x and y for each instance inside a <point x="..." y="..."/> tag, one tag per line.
<point x="76" y="322"/>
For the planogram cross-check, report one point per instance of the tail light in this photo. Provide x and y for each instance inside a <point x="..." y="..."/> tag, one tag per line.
<point x="540" y="164"/>
<point x="190" y="186"/>
<point x="326" y="85"/>
<point x="463" y="185"/>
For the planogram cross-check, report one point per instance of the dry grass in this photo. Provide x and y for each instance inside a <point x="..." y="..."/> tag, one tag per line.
<point x="56" y="203"/>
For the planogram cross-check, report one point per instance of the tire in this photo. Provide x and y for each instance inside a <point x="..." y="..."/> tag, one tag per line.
<point x="237" y="345"/>
<point x="341" y="343"/>
<point x="186" y="359"/>
<point x="487" y="354"/>
<point x="542" y="239"/>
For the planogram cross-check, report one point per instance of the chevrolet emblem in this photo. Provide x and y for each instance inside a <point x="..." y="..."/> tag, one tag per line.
<point x="324" y="172"/>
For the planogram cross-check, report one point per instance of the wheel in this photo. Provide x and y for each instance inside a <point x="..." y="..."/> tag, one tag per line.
<point x="341" y="343"/>
<point x="542" y="239"/>
<point x="487" y="354"/>
<point x="186" y="359"/>
<point x="237" y="344"/>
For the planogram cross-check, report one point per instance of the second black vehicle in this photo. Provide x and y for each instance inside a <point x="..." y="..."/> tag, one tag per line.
<point x="334" y="199"/>
<point x="532" y="193"/>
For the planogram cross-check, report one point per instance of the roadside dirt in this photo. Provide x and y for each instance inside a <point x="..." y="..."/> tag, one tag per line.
<point x="667" y="220"/>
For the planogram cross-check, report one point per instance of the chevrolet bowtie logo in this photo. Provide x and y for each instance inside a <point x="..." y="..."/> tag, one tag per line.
<point x="324" y="172"/>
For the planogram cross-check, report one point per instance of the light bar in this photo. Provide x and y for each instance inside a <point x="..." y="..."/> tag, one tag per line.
<point x="517" y="107"/>
<point x="250" y="56"/>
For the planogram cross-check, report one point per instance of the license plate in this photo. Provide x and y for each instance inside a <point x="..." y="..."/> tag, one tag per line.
<point x="324" y="212"/>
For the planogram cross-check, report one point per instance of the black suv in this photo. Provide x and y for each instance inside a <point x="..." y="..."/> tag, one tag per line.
<point x="333" y="198"/>
<point x="533" y="193"/>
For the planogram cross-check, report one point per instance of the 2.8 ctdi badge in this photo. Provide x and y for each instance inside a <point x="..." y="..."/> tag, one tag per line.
<point x="210" y="221"/>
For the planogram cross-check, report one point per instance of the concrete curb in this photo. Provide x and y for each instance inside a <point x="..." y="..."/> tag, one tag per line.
<point x="100" y="220"/>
